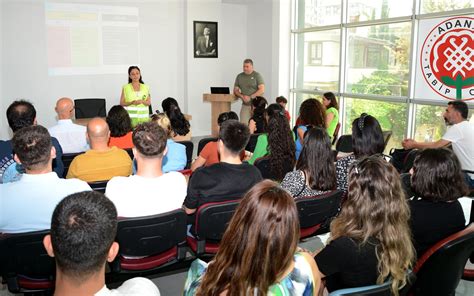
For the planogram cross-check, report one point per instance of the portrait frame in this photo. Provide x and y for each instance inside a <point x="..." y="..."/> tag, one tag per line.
<point x="205" y="47"/>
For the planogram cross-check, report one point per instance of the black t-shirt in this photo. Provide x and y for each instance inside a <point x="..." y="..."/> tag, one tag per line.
<point x="220" y="182"/>
<point x="347" y="263"/>
<point x="434" y="221"/>
<point x="259" y="123"/>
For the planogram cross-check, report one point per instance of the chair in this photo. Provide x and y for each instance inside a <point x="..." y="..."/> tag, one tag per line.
<point x="344" y="144"/>
<point x="336" y="133"/>
<point x="317" y="211"/>
<point x="155" y="241"/>
<point x="439" y="269"/>
<point x="263" y="165"/>
<point x="189" y="152"/>
<point x="252" y="142"/>
<point x="67" y="159"/>
<point x="209" y="227"/>
<point x="25" y="265"/>
<point x="99" y="185"/>
<point x="130" y="152"/>
<point x="89" y="108"/>
<point x="386" y="137"/>
<point x="203" y="143"/>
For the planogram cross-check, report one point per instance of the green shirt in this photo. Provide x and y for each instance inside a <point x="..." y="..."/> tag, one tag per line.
<point x="248" y="84"/>
<point x="332" y="125"/>
<point x="260" y="148"/>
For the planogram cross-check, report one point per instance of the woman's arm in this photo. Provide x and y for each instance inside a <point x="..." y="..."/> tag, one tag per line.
<point x="198" y="162"/>
<point x="252" y="126"/>
<point x="300" y="132"/>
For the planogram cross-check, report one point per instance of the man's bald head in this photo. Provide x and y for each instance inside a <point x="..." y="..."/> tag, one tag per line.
<point x="64" y="108"/>
<point x="98" y="131"/>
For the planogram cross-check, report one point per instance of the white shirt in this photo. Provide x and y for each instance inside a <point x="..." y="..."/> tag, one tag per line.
<point x="461" y="135"/>
<point x="137" y="196"/>
<point x="138" y="286"/>
<point x="71" y="136"/>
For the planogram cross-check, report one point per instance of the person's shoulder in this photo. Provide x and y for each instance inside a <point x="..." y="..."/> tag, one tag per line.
<point x="138" y="286"/>
<point x="174" y="177"/>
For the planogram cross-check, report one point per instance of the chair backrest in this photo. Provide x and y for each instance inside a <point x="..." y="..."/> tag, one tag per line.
<point x="99" y="185"/>
<point x="344" y="144"/>
<point x="336" y="133"/>
<point x="23" y="254"/>
<point x="88" y="108"/>
<point x="386" y="137"/>
<point x="151" y="235"/>
<point x="439" y="269"/>
<point x="67" y="159"/>
<point x="203" y="143"/>
<point x="212" y="219"/>
<point x="252" y="142"/>
<point x="189" y="152"/>
<point x="315" y="211"/>
<point x="263" y="165"/>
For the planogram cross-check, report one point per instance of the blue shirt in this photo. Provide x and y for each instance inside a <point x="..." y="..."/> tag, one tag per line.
<point x="175" y="158"/>
<point x="28" y="204"/>
<point x="299" y="146"/>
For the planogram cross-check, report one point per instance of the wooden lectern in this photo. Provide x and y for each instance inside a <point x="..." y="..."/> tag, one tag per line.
<point x="219" y="103"/>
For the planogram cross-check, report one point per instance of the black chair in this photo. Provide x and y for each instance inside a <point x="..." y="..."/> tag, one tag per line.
<point x="336" y="133"/>
<point x="99" y="185"/>
<point x="315" y="213"/>
<point x="439" y="269"/>
<point x="252" y="142"/>
<point x="89" y="108"/>
<point x="67" y="159"/>
<point x="209" y="227"/>
<point x="344" y="144"/>
<point x="263" y="165"/>
<point x="203" y="143"/>
<point x="386" y="137"/>
<point x="130" y="152"/>
<point x="25" y="265"/>
<point x="155" y="241"/>
<point x="189" y="152"/>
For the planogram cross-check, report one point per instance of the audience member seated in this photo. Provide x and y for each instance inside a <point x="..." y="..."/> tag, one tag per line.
<point x="101" y="162"/>
<point x="258" y="254"/>
<point x="312" y="114"/>
<point x="120" y="126"/>
<point x="149" y="192"/>
<point x="83" y="229"/>
<point x="175" y="159"/>
<point x="332" y="112"/>
<point x="257" y="121"/>
<point x="278" y="144"/>
<point x="367" y="140"/>
<point x="179" y="124"/>
<point x="315" y="172"/>
<point x="370" y="240"/>
<point x="22" y="114"/>
<point x="460" y="135"/>
<point x="209" y="154"/>
<point x="27" y="204"/>
<point x="230" y="178"/>
<point x="437" y="182"/>
<point x="282" y="101"/>
<point x="71" y="136"/>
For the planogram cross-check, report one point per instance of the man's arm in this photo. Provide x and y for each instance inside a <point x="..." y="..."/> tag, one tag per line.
<point x="238" y="94"/>
<point x="259" y="92"/>
<point x="188" y="211"/>
<point x="412" y="144"/>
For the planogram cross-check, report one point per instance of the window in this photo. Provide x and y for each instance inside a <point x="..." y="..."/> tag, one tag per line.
<point x="315" y="51"/>
<point x="369" y="10"/>
<point x="312" y="13"/>
<point x="429" y="123"/>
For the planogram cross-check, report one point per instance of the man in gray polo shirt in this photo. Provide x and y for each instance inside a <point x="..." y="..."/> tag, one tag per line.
<point x="248" y="85"/>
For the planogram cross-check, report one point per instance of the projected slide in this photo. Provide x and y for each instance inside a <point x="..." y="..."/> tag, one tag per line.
<point x="91" y="39"/>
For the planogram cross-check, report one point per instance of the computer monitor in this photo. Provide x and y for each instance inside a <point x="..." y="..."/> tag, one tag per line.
<point x="220" y="90"/>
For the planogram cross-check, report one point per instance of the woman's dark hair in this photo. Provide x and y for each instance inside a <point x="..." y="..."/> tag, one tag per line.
<point x="313" y="113"/>
<point x="331" y="97"/>
<point x="367" y="136"/>
<point x="281" y="145"/>
<point x="259" y="103"/>
<point x="130" y="71"/>
<point x="316" y="160"/>
<point x="437" y="176"/>
<point x="224" y="116"/>
<point x="119" y="121"/>
<point x="179" y="123"/>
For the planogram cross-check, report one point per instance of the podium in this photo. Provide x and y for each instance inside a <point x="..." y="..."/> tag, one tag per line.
<point x="219" y="103"/>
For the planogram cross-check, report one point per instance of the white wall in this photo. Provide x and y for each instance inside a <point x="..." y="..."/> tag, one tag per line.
<point x="3" y="121"/>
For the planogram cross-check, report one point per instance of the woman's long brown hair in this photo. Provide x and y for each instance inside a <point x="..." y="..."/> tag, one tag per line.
<point x="258" y="245"/>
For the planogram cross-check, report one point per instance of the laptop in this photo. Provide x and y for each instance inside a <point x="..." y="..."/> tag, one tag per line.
<point x="220" y="90"/>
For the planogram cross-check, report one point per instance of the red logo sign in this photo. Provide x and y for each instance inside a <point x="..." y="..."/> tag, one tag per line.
<point x="447" y="58"/>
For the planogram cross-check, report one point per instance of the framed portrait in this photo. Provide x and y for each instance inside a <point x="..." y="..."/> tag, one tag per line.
<point x="205" y="39"/>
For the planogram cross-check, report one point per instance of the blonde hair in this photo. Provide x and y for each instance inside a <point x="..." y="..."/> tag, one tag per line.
<point x="162" y="120"/>
<point x="376" y="208"/>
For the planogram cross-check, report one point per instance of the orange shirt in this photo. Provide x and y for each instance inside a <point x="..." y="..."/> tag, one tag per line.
<point x="123" y="142"/>
<point x="210" y="154"/>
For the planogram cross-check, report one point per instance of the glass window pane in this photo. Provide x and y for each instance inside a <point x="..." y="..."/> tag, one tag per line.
<point x="312" y="13"/>
<point x="391" y="116"/>
<point x="429" y="123"/>
<point x="429" y="6"/>
<point x="378" y="59"/>
<point x="368" y="10"/>
<point x="317" y="64"/>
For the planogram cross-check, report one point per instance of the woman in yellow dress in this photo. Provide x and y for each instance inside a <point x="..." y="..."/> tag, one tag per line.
<point x="136" y="97"/>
